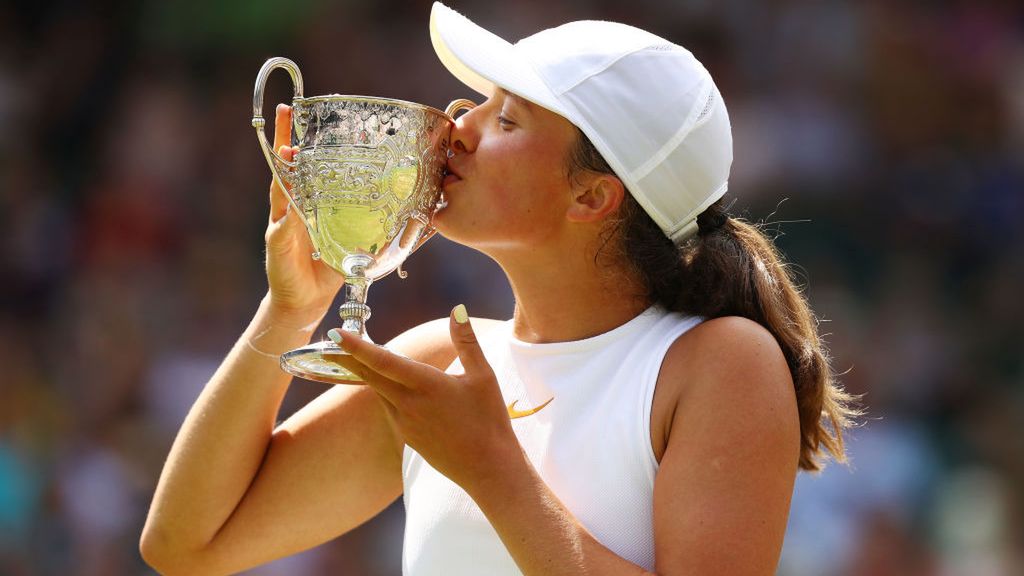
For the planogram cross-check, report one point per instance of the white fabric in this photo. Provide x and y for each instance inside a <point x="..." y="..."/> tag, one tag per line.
<point x="591" y="445"/>
<point x="642" y="101"/>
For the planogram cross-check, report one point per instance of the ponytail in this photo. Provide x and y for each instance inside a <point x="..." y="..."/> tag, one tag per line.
<point x="730" y="268"/>
<point x="735" y="270"/>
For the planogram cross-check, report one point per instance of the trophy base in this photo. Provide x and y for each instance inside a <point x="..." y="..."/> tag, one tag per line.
<point x="320" y="362"/>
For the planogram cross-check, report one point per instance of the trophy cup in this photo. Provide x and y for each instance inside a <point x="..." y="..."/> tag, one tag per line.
<point x="365" y="182"/>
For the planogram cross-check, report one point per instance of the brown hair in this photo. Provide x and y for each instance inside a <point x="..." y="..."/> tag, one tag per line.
<point x="730" y="268"/>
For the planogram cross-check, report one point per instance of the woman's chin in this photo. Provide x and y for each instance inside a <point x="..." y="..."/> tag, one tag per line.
<point x="441" y="220"/>
<point x="446" y="222"/>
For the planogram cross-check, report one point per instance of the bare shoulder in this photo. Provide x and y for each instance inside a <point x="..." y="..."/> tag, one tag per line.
<point x="732" y="343"/>
<point x="431" y="342"/>
<point x="725" y="366"/>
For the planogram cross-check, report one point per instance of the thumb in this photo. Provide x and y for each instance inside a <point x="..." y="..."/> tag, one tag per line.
<point x="275" y="234"/>
<point x="282" y="235"/>
<point x="466" y="344"/>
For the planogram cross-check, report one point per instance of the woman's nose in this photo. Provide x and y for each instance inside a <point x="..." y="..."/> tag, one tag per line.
<point x="464" y="133"/>
<point x="458" y="145"/>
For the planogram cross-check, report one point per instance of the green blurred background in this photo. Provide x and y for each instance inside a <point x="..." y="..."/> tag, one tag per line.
<point x="882" y="143"/>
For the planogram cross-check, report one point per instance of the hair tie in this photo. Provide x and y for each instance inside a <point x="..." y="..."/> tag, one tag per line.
<point x="708" y="223"/>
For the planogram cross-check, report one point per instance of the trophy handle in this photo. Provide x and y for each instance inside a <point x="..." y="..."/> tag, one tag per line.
<point x="453" y="108"/>
<point x="458" y="105"/>
<point x="280" y="168"/>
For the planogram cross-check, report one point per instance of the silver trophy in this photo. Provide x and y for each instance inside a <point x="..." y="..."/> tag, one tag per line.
<point x="365" y="182"/>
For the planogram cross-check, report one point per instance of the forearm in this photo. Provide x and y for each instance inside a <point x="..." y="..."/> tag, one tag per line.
<point x="222" y="442"/>
<point x="540" y="533"/>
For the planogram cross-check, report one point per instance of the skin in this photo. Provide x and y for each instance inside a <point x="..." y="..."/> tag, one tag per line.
<point x="237" y="492"/>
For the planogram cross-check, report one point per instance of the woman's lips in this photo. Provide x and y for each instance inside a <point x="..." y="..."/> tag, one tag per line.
<point x="450" y="178"/>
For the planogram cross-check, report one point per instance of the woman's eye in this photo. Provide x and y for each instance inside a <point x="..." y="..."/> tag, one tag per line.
<point x="505" y="122"/>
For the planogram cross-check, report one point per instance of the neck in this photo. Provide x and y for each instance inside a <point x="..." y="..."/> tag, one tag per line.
<point x="563" y="296"/>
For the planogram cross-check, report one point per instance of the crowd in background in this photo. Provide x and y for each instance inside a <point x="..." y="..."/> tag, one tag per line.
<point x="880" y="142"/>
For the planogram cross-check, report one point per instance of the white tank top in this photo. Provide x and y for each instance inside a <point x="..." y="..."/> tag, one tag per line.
<point x="591" y="445"/>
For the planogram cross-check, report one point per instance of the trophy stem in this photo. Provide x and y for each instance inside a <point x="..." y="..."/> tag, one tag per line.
<point x="354" y="312"/>
<point x="325" y="361"/>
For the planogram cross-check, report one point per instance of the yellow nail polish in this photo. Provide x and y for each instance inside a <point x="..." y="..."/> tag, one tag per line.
<point x="461" y="316"/>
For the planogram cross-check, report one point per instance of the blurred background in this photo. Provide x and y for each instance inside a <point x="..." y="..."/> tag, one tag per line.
<point x="881" y="142"/>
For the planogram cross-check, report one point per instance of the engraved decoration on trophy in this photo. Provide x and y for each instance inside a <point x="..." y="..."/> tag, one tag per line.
<point x="365" y="182"/>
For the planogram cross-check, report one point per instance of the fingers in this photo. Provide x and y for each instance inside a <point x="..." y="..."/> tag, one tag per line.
<point x="406" y="372"/>
<point x="466" y="344"/>
<point x="282" y="145"/>
<point x="282" y="126"/>
<point x="388" y="389"/>
<point x="278" y="197"/>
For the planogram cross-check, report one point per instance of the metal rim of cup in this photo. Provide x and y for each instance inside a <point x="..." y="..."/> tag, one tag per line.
<point x="373" y="99"/>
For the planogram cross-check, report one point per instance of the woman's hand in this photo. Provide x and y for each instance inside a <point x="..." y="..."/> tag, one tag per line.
<point x="301" y="288"/>
<point x="457" y="422"/>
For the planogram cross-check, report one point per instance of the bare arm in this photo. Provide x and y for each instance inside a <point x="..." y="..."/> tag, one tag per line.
<point x="234" y="491"/>
<point x="722" y="494"/>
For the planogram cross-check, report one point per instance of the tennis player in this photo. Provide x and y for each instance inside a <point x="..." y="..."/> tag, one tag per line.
<point x="666" y="374"/>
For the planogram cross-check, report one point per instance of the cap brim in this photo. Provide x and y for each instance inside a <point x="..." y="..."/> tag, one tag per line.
<point x="482" y="60"/>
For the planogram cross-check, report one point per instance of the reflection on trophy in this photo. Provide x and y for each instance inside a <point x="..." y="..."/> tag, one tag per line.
<point x="365" y="182"/>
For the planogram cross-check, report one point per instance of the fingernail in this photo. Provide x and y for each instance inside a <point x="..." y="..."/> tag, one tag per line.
<point x="461" y="316"/>
<point x="334" y="335"/>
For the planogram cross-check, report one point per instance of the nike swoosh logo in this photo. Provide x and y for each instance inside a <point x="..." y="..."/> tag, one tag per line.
<point x="513" y="413"/>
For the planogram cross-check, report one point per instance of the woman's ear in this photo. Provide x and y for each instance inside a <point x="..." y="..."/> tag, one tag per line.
<point x="596" y="197"/>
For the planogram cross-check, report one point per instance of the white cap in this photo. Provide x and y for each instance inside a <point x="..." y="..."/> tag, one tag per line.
<point x="651" y="109"/>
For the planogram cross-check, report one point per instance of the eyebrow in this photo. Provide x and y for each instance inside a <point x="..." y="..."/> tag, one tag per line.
<point x="517" y="100"/>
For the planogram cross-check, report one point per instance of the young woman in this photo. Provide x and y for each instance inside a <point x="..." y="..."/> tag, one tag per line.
<point x="670" y="373"/>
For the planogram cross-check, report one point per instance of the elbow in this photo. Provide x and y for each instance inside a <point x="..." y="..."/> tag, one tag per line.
<point x="155" y="552"/>
<point x="161" y="554"/>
